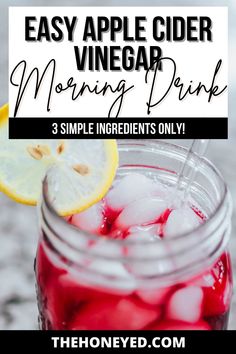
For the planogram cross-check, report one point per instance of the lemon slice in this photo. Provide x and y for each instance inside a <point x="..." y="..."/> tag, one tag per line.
<point x="79" y="172"/>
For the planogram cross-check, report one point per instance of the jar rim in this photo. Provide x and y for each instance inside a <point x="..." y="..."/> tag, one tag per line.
<point x="129" y="241"/>
<point x="174" y="258"/>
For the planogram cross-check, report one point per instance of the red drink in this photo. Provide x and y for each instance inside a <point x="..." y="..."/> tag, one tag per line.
<point x="67" y="300"/>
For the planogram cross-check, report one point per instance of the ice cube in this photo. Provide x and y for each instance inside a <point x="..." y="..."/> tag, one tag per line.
<point x="154" y="296"/>
<point x="186" y="304"/>
<point x="142" y="211"/>
<point x="144" y="233"/>
<point x="181" y="221"/>
<point x="114" y="314"/>
<point x="108" y="267"/>
<point x="131" y="188"/>
<point x="206" y="280"/>
<point x="150" y="268"/>
<point x="111" y="267"/>
<point x="151" y="260"/>
<point x="90" y="220"/>
<point x="104" y="248"/>
<point x="117" y="234"/>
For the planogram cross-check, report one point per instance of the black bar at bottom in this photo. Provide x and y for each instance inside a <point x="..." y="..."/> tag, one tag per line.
<point x="111" y="341"/>
<point x="118" y="128"/>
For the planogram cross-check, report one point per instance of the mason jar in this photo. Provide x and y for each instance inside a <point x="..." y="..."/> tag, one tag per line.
<point x="181" y="283"/>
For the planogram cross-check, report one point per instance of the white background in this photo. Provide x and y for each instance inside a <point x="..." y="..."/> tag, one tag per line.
<point x="195" y="61"/>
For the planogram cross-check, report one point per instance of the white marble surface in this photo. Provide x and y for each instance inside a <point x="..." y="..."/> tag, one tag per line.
<point x="18" y="226"/>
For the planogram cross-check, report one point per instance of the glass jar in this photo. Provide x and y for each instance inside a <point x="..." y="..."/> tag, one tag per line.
<point x="183" y="282"/>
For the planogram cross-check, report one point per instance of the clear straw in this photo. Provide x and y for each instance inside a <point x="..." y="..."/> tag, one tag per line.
<point x="189" y="170"/>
